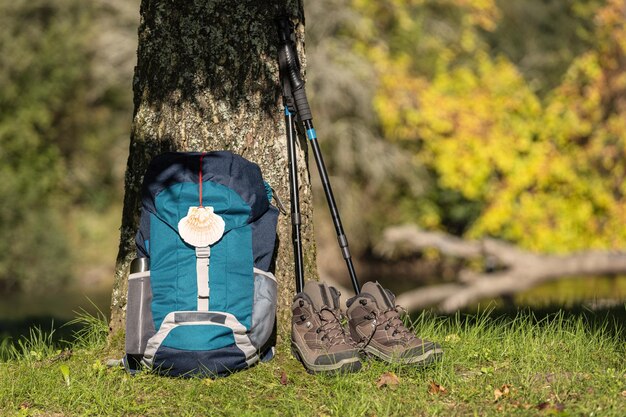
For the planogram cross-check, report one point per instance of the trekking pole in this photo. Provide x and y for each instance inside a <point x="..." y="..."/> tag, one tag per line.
<point x="293" y="177"/>
<point x="290" y="67"/>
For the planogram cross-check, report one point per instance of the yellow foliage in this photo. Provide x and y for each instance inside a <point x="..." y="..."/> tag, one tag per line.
<point x="481" y="13"/>
<point x="551" y="174"/>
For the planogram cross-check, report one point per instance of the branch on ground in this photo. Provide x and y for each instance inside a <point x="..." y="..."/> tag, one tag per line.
<point x="519" y="269"/>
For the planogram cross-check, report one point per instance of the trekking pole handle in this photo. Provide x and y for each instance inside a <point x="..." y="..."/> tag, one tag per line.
<point x="290" y="66"/>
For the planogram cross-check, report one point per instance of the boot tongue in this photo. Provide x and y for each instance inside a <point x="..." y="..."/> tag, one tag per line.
<point x="320" y="295"/>
<point x="384" y="299"/>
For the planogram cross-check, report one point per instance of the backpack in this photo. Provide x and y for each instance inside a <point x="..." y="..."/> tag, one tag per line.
<point x="202" y="307"/>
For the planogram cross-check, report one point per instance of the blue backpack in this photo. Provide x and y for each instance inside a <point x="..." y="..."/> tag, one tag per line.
<point x="201" y="297"/>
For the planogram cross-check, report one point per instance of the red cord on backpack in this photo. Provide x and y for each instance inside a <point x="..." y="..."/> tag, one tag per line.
<point x="200" y="178"/>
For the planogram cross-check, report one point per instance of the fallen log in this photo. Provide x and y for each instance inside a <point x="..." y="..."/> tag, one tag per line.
<point x="518" y="269"/>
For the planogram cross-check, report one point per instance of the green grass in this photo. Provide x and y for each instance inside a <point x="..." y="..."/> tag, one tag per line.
<point x="559" y="365"/>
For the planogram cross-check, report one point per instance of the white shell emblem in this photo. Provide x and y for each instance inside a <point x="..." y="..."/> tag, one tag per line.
<point x="201" y="227"/>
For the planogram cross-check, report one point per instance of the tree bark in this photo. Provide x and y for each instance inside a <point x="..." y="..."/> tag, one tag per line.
<point x="518" y="269"/>
<point x="207" y="79"/>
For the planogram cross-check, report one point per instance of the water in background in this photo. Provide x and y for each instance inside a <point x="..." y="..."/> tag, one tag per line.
<point x="20" y="312"/>
<point x="52" y="310"/>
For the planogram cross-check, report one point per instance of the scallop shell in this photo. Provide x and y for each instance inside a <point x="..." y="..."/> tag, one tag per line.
<point x="201" y="227"/>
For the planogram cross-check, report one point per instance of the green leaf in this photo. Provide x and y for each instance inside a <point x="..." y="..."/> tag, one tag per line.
<point x="65" y="371"/>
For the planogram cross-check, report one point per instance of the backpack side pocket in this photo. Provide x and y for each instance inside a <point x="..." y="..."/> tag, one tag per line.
<point x="139" y="323"/>
<point x="264" y="309"/>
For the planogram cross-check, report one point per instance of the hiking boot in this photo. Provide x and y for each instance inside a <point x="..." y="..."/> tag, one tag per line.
<point x="318" y="339"/>
<point x="375" y="324"/>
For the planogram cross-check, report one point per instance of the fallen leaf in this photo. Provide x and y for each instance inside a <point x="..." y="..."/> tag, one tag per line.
<point x="208" y="381"/>
<point x="25" y="405"/>
<point x="503" y="391"/>
<point x="624" y="394"/>
<point x="388" y="379"/>
<point x="435" y="388"/>
<point x="543" y="405"/>
<point x="283" y="378"/>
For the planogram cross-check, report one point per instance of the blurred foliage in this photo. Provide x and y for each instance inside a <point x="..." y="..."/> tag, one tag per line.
<point x="543" y="37"/>
<point x="478" y="117"/>
<point x="367" y="171"/>
<point x="546" y="172"/>
<point x="60" y="135"/>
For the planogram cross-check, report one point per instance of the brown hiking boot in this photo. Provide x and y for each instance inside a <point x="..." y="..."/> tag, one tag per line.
<point x="375" y="324"/>
<point x="318" y="339"/>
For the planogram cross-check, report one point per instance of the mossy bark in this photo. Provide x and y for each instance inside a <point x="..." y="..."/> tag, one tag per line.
<point x="207" y="79"/>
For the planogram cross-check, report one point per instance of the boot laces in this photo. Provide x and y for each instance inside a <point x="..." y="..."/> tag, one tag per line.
<point x="390" y="319"/>
<point x="331" y="326"/>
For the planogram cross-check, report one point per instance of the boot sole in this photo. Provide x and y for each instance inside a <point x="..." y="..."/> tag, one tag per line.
<point x="344" y="366"/>
<point x="424" y="359"/>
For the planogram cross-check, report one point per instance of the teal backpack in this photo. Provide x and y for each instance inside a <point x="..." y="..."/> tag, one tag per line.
<point x="201" y="297"/>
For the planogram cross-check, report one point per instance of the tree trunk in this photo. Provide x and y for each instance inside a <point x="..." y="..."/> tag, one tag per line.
<point x="207" y="79"/>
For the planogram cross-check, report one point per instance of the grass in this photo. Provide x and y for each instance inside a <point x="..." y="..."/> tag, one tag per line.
<point x="524" y="365"/>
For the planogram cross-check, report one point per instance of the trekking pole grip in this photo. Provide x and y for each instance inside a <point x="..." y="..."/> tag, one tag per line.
<point x="290" y="67"/>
